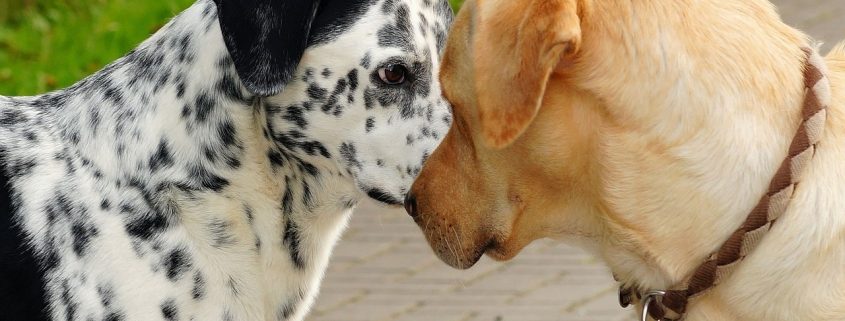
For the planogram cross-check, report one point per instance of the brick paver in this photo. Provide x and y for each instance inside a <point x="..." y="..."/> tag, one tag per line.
<point x="383" y="270"/>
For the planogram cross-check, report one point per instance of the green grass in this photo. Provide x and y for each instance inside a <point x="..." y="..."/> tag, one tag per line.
<point x="50" y="44"/>
<point x="456" y="4"/>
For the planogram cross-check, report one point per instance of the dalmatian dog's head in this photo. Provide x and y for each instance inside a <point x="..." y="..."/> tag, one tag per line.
<point x="355" y="81"/>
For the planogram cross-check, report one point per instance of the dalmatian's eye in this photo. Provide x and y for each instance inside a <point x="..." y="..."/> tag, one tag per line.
<point x="393" y="74"/>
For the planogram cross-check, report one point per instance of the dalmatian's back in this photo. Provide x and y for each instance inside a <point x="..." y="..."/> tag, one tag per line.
<point x="208" y="173"/>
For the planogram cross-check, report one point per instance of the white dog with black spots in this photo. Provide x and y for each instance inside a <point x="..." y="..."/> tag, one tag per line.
<point x="208" y="174"/>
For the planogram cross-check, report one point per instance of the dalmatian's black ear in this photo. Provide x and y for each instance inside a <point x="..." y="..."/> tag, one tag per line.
<point x="266" y="39"/>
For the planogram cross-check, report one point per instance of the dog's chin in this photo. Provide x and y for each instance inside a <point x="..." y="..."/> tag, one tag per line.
<point x="461" y="263"/>
<point x="501" y="253"/>
<point x="464" y="259"/>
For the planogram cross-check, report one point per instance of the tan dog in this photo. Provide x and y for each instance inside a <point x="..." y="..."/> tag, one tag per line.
<point x="645" y="131"/>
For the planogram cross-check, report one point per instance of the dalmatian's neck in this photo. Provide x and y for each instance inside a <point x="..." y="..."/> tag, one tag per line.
<point x="180" y="157"/>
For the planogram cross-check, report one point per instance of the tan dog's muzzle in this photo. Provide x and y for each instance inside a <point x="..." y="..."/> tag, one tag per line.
<point x="452" y="228"/>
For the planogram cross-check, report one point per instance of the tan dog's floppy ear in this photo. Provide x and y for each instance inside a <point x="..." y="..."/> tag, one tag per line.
<point x="517" y="44"/>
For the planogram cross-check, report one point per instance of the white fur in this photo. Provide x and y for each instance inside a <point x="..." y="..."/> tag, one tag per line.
<point x="240" y="279"/>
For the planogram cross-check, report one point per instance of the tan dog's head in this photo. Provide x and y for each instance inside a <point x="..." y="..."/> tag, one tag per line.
<point x="567" y="124"/>
<point x="477" y="194"/>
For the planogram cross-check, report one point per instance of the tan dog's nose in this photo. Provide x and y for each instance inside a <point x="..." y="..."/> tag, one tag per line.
<point x="411" y="204"/>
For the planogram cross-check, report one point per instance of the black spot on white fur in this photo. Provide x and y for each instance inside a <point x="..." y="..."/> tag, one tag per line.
<point x="177" y="262"/>
<point x="221" y="233"/>
<point x="169" y="310"/>
<point x="198" y="289"/>
<point x="292" y="241"/>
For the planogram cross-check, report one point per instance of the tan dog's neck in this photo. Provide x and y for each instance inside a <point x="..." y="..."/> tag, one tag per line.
<point x="695" y="122"/>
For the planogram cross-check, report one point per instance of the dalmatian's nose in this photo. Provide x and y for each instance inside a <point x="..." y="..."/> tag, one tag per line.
<point x="411" y="204"/>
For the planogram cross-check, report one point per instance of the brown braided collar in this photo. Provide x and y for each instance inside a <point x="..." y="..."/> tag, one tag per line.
<point x="672" y="304"/>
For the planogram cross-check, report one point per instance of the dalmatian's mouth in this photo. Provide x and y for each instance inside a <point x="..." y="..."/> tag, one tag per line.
<point x="383" y="197"/>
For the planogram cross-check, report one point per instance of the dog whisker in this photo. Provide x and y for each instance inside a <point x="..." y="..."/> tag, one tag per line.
<point x="460" y="244"/>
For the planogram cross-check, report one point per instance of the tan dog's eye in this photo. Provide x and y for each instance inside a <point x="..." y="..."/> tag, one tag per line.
<point x="393" y="74"/>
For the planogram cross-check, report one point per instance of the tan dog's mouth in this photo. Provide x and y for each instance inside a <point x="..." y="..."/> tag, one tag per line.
<point x="457" y="249"/>
<point x="449" y="247"/>
<point x="492" y="249"/>
<point x="460" y="242"/>
<point x="459" y="261"/>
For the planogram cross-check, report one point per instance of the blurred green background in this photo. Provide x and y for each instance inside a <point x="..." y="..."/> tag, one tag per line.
<point x="51" y="44"/>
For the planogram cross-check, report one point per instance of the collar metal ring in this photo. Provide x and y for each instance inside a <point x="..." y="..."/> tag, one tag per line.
<point x="649" y="297"/>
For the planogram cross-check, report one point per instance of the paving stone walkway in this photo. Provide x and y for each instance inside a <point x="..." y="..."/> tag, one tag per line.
<point x="383" y="270"/>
